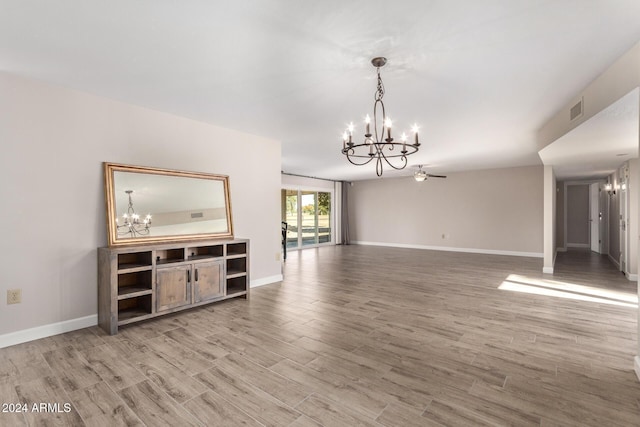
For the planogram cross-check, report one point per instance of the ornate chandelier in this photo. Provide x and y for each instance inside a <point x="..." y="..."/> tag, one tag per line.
<point x="386" y="149"/>
<point x="132" y="224"/>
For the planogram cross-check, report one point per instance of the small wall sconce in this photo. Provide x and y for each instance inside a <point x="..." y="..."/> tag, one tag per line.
<point x="609" y="188"/>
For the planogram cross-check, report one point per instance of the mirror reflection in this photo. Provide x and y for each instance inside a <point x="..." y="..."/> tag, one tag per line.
<point x="150" y="204"/>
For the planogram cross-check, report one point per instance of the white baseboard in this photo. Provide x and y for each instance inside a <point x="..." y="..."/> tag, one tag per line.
<point x="44" y="331"/>
<point x="636" y="366"/>
<point x="266" y="280"/>
<point x="561" y="249"/>
<point x="451" y="249"/>
<point x="631" y="277"/>
<point x="616" y="263"/>
<point x="547" y="270"/>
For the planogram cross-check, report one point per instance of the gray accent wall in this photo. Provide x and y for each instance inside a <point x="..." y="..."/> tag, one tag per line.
<point x="492" y="210"/>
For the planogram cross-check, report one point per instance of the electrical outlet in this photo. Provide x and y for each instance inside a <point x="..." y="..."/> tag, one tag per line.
<point x="14" y="296"/>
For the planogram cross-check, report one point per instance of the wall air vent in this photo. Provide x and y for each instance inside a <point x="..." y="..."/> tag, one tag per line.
<point x="577" y="110"/>
<point x="197" y="215"/>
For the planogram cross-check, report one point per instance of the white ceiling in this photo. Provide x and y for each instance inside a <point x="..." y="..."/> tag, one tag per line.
<point x="480" y="77"/>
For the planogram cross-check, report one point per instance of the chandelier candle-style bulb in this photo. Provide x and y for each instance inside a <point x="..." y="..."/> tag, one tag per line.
<point x="351" y="127"/>
<point x="414" y="129"/>
<point x="388" y="124"/>
<point x="367" y="121"/>
<point x="404" y="142"/>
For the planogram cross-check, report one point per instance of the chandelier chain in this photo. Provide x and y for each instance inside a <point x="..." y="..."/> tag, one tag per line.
<point x="380" y="88"/>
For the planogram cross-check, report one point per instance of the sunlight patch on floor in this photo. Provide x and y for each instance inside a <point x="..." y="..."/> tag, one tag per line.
<point x="552" y="288"/>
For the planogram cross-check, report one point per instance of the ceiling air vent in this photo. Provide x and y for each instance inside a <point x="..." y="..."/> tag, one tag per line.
<point x="576" y="111"/>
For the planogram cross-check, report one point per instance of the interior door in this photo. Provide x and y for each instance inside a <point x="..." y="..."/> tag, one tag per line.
<point x="173" y="287"/>
<point x="208" y="279"/>
<point x="594" y="217"/>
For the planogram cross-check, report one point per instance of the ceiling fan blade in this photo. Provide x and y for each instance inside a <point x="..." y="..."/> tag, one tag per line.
<point x="436" y="176"/>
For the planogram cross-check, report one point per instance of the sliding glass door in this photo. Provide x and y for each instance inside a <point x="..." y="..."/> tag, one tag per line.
<point x="309" y="222"/>
<point x="324" y="217"/>
<point x="308" y="215"/>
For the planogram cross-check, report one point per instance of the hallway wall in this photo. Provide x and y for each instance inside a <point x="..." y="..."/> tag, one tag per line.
<point x="560" y="243"/>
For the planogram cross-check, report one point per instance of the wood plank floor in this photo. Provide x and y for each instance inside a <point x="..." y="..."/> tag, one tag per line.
<point x="355" y="336"/>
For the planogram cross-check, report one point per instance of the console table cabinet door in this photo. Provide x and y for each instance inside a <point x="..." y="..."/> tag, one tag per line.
<point x="209" y="280"/>
<point x="173" y="287"/>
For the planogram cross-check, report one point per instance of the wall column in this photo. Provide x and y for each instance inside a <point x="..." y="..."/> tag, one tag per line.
<point x="549" y="221"/>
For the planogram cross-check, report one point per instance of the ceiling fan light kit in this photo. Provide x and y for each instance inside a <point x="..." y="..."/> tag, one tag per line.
<point x="421" y="175"/>
<point x="392" y="152"/>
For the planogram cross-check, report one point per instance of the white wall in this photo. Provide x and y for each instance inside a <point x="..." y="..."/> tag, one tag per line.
<point x="549" y="220"/>
<point x="498" y="210"/>
<point x="54" y="141"/>
<point x="560" y="243"/>
<point x="634" y="231"/>
<point x="614" y="220"/>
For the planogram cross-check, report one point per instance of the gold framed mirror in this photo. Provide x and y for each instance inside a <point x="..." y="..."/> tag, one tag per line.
<point x="148" y="205"/>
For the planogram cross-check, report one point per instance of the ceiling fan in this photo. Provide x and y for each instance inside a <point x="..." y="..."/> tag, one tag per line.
<point x="421" y="175"/>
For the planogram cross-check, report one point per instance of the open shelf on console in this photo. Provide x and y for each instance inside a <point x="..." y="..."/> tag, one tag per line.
<point x="168" y="256"/>
<point x="236" y="266"/>
<point x="132" y="308"/>
<point x="237" y="285"/>
<point x="135" y="260"/>
<point x="239" y="249"/>
<point x="134" y="284"/>
<point x="203" y="252"/>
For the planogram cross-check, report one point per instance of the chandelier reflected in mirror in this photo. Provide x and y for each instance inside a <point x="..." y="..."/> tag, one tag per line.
<point x="376" y="146"/>
<point x="132" y="224"/>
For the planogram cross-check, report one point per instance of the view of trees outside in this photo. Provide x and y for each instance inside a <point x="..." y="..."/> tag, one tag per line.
<point x="312" y="232"/>
<point x="324" y="217"/>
